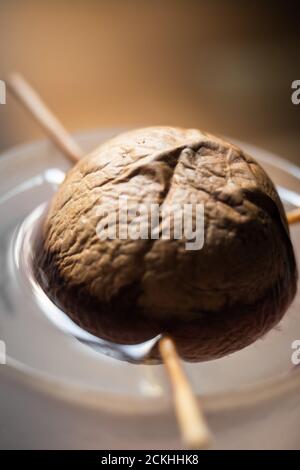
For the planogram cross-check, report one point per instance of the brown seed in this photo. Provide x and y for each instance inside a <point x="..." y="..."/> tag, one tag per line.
<point x="212" y="301"/>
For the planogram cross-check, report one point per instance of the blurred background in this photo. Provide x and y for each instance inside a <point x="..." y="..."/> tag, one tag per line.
<point x="224" y="66"/>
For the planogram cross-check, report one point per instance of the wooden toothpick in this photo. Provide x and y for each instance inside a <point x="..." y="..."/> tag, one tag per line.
<point x="31" y="101"/>
<point x="192" y="423"/>
<point x="293" y="216"/>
